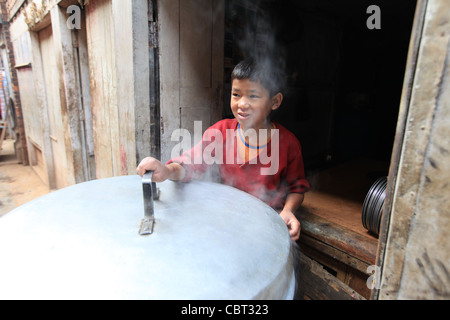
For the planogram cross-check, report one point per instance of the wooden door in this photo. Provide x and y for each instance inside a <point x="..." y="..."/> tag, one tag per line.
<point x="191" y="66"/>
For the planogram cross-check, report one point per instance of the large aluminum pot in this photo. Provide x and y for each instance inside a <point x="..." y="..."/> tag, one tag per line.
<point x="209" y="241"/>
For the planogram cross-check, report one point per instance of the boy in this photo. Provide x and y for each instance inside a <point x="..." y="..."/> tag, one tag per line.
<point x="253" y="154"/>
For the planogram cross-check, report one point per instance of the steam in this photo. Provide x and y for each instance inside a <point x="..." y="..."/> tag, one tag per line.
<point x="215" y="150"/>
<point x="258" y="39"/>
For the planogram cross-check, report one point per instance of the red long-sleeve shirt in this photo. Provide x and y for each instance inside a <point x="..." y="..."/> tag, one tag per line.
<point x="277" y="171"/>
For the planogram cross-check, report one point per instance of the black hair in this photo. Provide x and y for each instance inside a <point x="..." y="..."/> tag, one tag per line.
<point x="262" y="69"/>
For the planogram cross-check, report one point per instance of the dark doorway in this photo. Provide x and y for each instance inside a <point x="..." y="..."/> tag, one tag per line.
<point x="344" y="79"/>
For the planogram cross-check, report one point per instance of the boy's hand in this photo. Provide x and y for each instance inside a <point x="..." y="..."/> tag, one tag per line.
<point x="292" y="223"/>
<point x="160" y="171"/>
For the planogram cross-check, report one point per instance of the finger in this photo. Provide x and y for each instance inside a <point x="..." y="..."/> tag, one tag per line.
<point x="145" y="165"/>
<point x="140" y="170"/>
<point x="295" y="235"/>
<point x="294" y="230"/>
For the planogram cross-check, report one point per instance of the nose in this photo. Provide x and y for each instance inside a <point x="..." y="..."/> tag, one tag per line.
<point x="243" y="103"/>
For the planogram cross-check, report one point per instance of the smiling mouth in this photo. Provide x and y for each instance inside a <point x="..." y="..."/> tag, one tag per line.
<point x="243" y="115"/>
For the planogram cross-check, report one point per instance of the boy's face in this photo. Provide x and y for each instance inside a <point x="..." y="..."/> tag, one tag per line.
<point x="251" y="104"/>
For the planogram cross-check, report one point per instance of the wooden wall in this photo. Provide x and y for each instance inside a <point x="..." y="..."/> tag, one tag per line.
<point x="415" y="258"/>
<point x="116" y="46"/>
<point x="46" y="109"/>
<point x="85" y="91"/>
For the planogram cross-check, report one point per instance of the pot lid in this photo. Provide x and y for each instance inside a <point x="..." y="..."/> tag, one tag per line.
<point x="209" y="241"/>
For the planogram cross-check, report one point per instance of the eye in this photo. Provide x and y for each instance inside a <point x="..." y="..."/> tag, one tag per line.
<point x="254" y="96"/>
<point x="235" y="95"/>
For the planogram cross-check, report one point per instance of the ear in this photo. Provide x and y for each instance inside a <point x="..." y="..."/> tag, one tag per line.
<point x="276" y="100"/>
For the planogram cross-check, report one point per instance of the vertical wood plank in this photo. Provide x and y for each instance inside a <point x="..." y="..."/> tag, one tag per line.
<point x="196" y="94"/>
<point x="414" y="217"/>
<point x="169" y="37"/>
<point x="103" y="90"/>
<point x="41" y="103"/>
<point x="55" y="109"/>
<point x="217" y="76"/>
<point x="141" y="75"/>
<point x="83" y="58"/>
<point x="69" y="96"/>
<point x="124" y="50"/>
<point x="408" y="82"/>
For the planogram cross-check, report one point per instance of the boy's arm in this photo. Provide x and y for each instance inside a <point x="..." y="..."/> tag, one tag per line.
<point x="176" y="171"/>
<point x="293" y="202"/>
